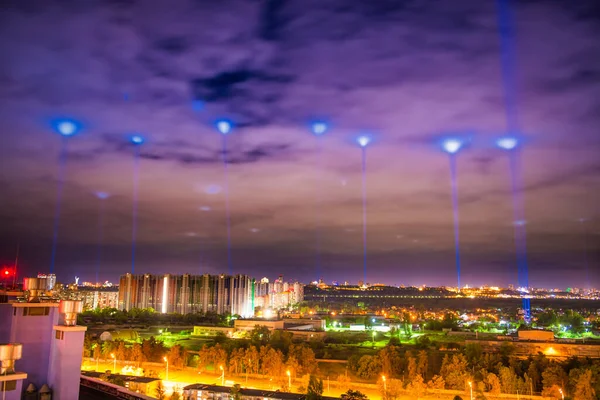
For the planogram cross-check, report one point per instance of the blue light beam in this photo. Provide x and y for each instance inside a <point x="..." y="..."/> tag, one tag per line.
<point x="455" y="215"/>
<point x="137" y="141"/>
<point x="100" y="235"/>
<point x="318" y="128"/>
<point x="225" y="127"/>
<point x="65" y="128"/>
<point x="363" y="141"/>
<point x="506" y="31"/>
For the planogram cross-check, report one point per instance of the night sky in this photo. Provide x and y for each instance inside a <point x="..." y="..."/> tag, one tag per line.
<point x="407" y="72"/>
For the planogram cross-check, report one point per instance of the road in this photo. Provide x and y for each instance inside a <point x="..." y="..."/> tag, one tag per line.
<point x="179" y="379"/>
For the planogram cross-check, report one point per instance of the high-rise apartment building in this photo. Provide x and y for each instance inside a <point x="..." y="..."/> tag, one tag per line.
<point x="278" y="294"/>
<point x="188" y="293"/>
<point x="98" y="297"/>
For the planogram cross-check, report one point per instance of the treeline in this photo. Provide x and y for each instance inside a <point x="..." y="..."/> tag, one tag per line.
<point x="149" y="350"/>
<point x="148" y="316"/>
<point x="410" y="370"/>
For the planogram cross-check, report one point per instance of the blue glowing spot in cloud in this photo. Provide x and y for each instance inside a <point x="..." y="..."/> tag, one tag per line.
<point x="363" y="140"/>
<point x="136" y="139"/>
<point x="66" y="127"/>
<point x="204" y="208"/>
<point x="254" y="230"/>
<point x="212" y="189"/>
<point x="507" y="143"/>
<point x="197" y="105"/>
<point x="452" y="146"/>
<point x="102" y="195"/>
<point x="318" y="127"/>
<point x="224" y="126"/>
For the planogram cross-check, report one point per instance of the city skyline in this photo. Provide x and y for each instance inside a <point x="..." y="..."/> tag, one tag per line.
<point x="272" y="71"/>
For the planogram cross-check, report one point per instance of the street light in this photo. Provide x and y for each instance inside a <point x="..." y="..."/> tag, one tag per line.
<point x="289" y="374"/>
<point x="384" y="383"/>
<point x="112" y="355"/>
<point x="471" y="389"/>
<point x="222" y="375"/>
<point x="165" y="359"/>
<point x="373" y="338"/>
<point x="562" y="395"/>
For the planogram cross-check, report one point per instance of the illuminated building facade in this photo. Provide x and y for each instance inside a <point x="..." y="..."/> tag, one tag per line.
<point x="278" y="294"/>
<point x="188" y="293"/>
<point x="98" y="297"/>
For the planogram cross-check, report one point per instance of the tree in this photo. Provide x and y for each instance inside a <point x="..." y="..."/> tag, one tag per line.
<point x="305" y="358"/>
<point x="457" y="397"/>
<point x="454" y="371"/>
<point x="391" y="389"/>
<point x="583" y="386"/>
<point x="390" y="360"/>
<point x="416" y="387"/>
<point x="554" y="376"/>
<point x="107" y="348"/>
<point x="160" y="391"/>
<point x="252" y="360"/>
<point x="368" y="367"/>
<point x="508" y="380"/>
<point x="273" y="363"/>
<point x="136" y="354"/>
<point x="493" y="384"/>
<point x="354" y="395"/>
<point x="236" y="392"/>
<point x="97" y="350"/>
<point x="473" y="351"/>
<point x="437" y="382"/>
<point x="120" y="351"/>
<point x="260" y="335"/>
<point x="175" y="395"/>
<point x="315" y="388"/>
<point x="236" y="361"/>
<point x="411" y="369"/>
<point x="177" y="356"/>
<point x="422" y="363"/>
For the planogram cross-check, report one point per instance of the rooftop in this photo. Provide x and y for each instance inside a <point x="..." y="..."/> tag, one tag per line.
<point x="267" y="394"/>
